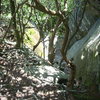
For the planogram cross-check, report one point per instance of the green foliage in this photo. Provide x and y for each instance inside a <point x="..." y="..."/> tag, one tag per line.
<point x="31" y="38"/>
<point x="43" y="22"/>
<point x="5" y="9"/>
<point x="70" y="5"/>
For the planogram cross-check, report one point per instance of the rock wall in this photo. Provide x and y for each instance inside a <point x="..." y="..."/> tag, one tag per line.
<point x="85" y="46"/>
<point x="90" y="16"/>
<point x="86" y="54"/>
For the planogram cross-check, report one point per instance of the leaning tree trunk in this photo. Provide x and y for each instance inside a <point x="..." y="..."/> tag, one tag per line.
<point x="63" y="52"/>
<point x="70" y="83"/>
<point x="66" y="43"/>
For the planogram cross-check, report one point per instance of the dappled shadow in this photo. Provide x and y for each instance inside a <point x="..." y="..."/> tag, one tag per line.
<point x="23" y="86"/>
<point x="23" y="76"/>
<point x="17" y="82"/>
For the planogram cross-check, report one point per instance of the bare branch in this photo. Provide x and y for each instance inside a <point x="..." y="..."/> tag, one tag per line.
<point x="41" y="8"/>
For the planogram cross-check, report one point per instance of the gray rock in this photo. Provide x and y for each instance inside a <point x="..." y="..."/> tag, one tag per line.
<point x="86" y="54"/>
<point x="91" y="15"/>
<point x="85" y="45"/>
<point x="47" y="74"/>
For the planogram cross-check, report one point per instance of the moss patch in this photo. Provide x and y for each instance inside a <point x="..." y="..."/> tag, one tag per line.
<point x="31" y="38"/>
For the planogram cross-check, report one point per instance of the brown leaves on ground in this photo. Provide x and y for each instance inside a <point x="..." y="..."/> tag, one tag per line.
<point x="16" y="83"/>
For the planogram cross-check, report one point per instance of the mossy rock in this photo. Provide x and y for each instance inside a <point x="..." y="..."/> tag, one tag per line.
<point x="31" y="38"/>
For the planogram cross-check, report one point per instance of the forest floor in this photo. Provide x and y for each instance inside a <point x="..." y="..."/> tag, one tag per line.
<point x="17" y="84"/>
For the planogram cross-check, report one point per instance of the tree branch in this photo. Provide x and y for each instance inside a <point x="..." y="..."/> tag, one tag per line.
<point x="19" y="5"/>
<point x="41" y="8"/>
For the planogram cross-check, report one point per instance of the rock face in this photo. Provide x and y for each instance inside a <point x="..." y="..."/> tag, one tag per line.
<point x="86" y="54"/>
<point x="85" y="45"/>
<point x="90" y="16"/>
<point x="83" y="18"/>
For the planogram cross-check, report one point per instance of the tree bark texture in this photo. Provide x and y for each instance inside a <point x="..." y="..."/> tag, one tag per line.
<point x="13" y="13"/>
<point x="0" y="7"/>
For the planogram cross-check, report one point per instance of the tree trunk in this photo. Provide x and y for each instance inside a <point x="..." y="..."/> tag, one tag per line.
<point x="12" y="7"/>
<point x="51" y="54"/>
<point x="63" y="52"/>
<point x="0" y="7"/>
<point x="13" y="13"/>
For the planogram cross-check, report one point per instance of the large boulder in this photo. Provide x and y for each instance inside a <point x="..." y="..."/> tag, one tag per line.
<point x="84" y="18"/>
<point x="90" y="16"/>
<point x="86" y="54"/>
<point x="46" y="73"/>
